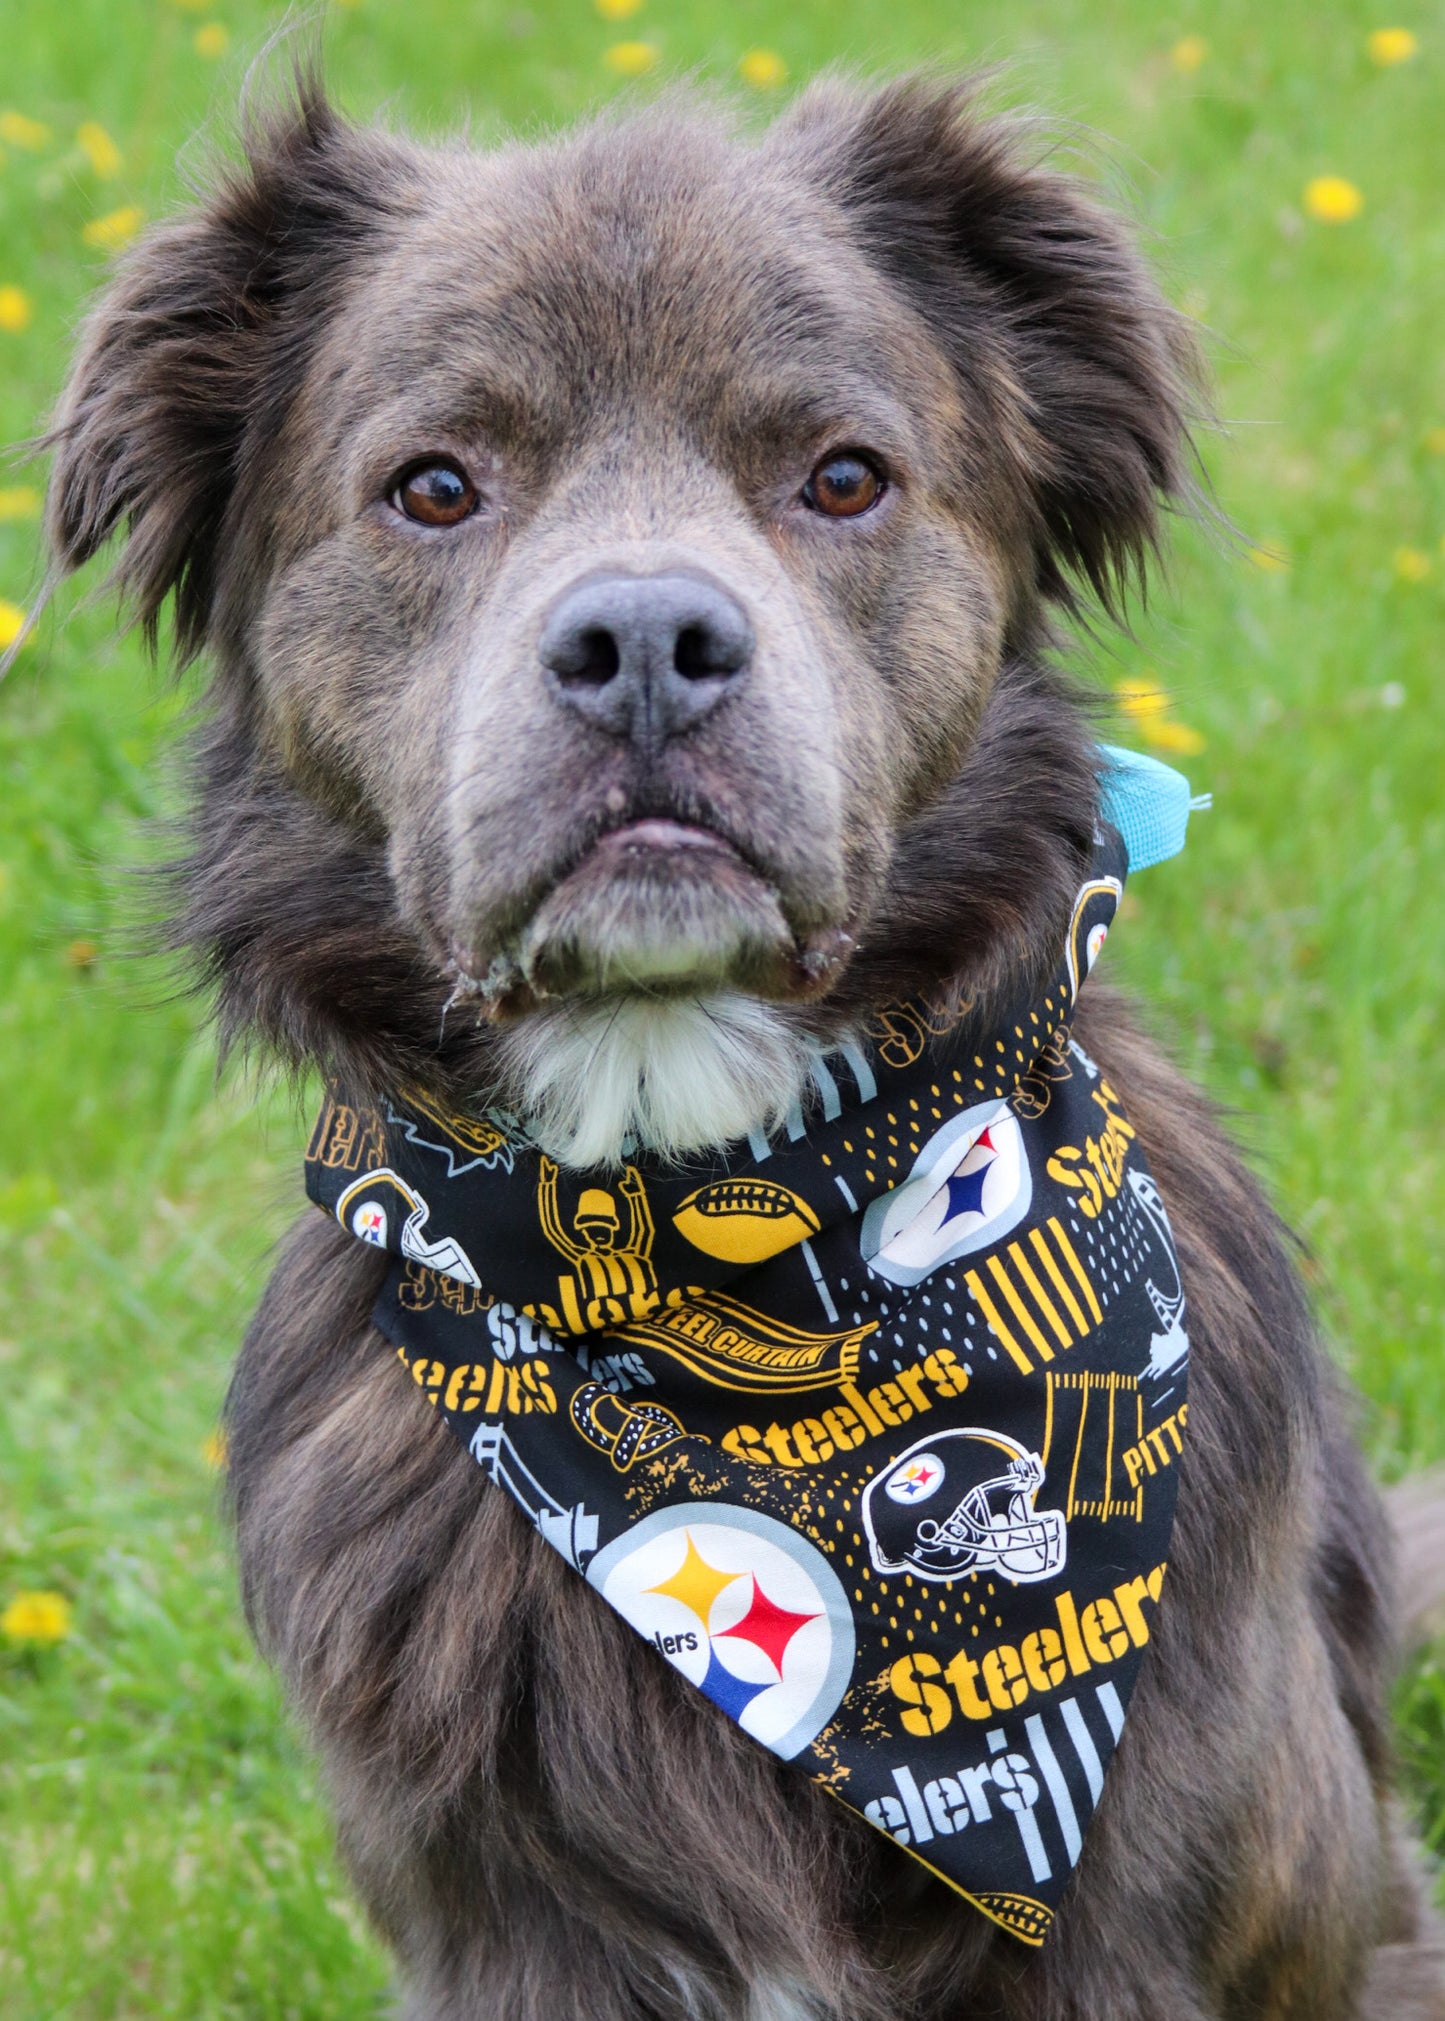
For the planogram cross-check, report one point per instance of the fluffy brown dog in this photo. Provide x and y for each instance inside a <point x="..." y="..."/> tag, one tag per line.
<point x="432" y="448"/>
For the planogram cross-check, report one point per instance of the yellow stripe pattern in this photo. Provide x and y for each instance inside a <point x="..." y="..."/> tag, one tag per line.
<point x="1036" y="1311"/>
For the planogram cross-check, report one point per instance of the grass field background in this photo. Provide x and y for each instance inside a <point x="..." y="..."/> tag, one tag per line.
<point x="163" y="1851"/>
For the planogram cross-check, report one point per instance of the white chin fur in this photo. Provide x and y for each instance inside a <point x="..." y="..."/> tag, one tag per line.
<point x="672" y="1075"/>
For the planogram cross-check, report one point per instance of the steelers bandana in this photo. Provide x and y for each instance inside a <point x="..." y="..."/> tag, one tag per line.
<point x="872" y="1430"/>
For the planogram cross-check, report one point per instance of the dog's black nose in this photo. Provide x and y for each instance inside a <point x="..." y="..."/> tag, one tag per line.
<point x="646" y="656"/>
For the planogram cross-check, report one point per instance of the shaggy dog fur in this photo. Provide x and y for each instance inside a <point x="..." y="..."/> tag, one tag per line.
<point x="636" y="344"/>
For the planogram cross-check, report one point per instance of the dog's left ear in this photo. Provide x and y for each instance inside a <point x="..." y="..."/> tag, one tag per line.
<point x="1073" y="367"/>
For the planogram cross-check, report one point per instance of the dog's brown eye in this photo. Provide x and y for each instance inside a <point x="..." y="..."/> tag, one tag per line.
<point x="437" y="494"/>
<point x="843" y="486"/>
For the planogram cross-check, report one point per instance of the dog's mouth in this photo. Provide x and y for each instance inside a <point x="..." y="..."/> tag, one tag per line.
<point x="654" y="838"/>
<point x="663" y="907"/>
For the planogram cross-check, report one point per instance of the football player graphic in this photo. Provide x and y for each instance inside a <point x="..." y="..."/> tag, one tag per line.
<point x="612" y="1279"/>
<point x="960" y="1502"/>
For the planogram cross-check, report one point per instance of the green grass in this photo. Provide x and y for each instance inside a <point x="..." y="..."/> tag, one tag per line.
<point x="163" y="1850"/>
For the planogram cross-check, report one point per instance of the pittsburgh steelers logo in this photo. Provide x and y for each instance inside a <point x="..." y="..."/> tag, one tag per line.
<point x="970" y="1185"/>
<point x="916" y="1481"/>
<point x="747" y="1610"/>
<point x="369" y="1222"/>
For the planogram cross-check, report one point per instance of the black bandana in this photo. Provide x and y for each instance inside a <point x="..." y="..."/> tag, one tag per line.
<point x="871" y="1430"/>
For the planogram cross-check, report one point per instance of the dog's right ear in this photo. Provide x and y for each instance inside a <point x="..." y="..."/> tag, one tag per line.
<point x="197" y="345"/>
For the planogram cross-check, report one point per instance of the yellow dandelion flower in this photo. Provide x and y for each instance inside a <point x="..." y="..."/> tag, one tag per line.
<point x="1411" y="565"/>
<point x="617" y="10"/>
<point x="1269" y="559"/>
<point x="215" y="1450"/>
<point x="98" y="148"/>
<point x="1331" y="200"/>
<point x="212" y="39"/>
<point x="1388" y="46"/>
<point x="18" y="501"/>
<point x="630" y="59"/>
<point x="16" y="130"/>
<point x="15" y="309"/>
<point x="1178" y="739"/>
<point x="764" y="69"/>
<point x="1189" y="53"/>
<point x="1142" y="701"/>
<point x="81" y="954"/>
<point x="12" y="624"/>
<point x="112" y="231"/>
<point x="38" y="1618"/>
<point x="1435" y="441"/>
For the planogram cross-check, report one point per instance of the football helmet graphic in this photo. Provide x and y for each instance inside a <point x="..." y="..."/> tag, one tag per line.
<point x="380" y="1204"/>
<point x="963" y="1501"/>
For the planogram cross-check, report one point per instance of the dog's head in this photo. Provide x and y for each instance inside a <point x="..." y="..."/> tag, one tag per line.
<point x="625" y="559"/>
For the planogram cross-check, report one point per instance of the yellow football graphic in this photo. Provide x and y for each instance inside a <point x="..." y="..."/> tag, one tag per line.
<point x="744" y="1220"/>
